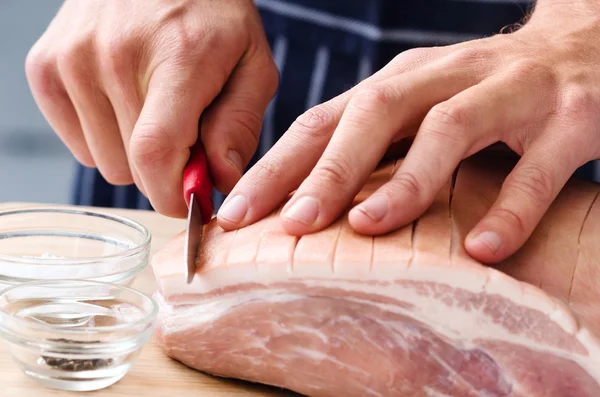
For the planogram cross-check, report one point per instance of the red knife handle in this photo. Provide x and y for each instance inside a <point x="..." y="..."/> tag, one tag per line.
<point x="197" y="180"/>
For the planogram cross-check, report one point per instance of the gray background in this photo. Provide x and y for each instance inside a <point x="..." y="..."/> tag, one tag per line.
<point x="34" y="164"/>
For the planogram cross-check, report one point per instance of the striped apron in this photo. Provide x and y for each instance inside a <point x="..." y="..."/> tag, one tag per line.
<point x="324" y="47"/>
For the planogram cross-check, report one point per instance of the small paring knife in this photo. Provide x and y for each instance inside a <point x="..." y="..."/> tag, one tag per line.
<point x="197" y="191"/>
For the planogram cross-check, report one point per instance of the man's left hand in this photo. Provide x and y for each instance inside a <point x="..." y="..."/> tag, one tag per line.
<point x="536" y="89"/>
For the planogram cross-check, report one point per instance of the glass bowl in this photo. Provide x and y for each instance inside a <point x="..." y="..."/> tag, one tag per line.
<point x="75" y="335"/>
<point x="66" y="243"/>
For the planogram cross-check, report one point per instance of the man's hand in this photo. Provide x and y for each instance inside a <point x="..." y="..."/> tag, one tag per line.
<point x="124" y="83"/>
<point x="537" y="90"/>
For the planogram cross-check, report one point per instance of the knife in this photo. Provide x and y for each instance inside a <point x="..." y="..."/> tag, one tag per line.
<point x="197" y="191"/>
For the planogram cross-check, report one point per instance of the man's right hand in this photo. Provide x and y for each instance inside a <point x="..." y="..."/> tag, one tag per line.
<point x="124" y="83"/>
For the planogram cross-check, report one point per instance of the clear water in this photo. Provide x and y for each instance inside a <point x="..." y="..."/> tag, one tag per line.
<point x="82" y="360"/>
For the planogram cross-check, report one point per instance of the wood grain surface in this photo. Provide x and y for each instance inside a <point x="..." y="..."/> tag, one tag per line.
<point x="154" y="374"/>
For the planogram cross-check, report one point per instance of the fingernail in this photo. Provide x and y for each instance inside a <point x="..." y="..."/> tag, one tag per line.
<point x="490" y="239"/>
<point x="375" y="207"/>
<point x="304" y="210"/>
<point x="235" y="159"/>
<point x="234" y="210"/>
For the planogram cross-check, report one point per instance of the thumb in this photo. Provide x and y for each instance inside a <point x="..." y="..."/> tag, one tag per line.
<point x="524" y="198"/>
<point x="230" y="127"/>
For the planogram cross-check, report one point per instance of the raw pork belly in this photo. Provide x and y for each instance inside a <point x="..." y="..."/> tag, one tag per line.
<point x="406" y="314"/>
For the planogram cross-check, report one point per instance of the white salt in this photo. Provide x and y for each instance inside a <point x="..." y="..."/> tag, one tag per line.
<point x="44" y="256"/>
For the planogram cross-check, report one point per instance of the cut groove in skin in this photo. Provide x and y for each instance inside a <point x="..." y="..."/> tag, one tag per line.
<point x="291" y="269"/>
<point x="246" y="242"/>
<point x="412" y="241"/>
<point x="587" y="214"/>
<point x="453" y="236"/>
<point x="372" y="254"/>
<point x="263" y="238"/>
<point x="586" y="283"/>
<point x="353" y="252"/>
<point x="335" y="245"/>
<point x="422" y="318"/>
<point x="229" y="249"/>
<point x="315" y="252"/>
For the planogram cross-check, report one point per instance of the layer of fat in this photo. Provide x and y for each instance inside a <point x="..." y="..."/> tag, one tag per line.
<point x="462" y="273"/>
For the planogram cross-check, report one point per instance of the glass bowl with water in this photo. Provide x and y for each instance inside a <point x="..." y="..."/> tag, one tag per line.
<point x="75" y="335"/>
<point x="66" y="243"/>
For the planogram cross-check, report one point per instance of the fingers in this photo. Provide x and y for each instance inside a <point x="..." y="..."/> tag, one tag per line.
<point x="568" y="138"/>
<point x="291" y="159"/>
<point x="55" y="104"/>
<point x="525" y="196"/>
<point x="165" y="131"/>
<point x="452" y="130"/>
<point x="370" y="123"/>
<point x="231" y="125"/>
<point x="138" y="86"/>
<point x="282" y="168"/>
<point x="118" y="62"/>
<point x="97" y="118"/>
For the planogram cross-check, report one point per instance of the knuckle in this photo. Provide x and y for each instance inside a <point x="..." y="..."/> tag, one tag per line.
<point x="374" y="100"/>
<point x="265" y="170"/>
<point x="417" y="53"/>
<point x="114" y="52"/>
<point x="183" y="41"/>
<point x="40" y="70"/>
<point x="449" y="115"/>
<point x="248" y="123"/>
<point x="85" y="159"/>
<point x="333" y="171"/>
<point x="241" y="17"/>
<point x="526" y="68"/>
<point x="535" y="183"/>
<point x="315" y="122"/>
<point x="407" y="183"/>
<point x="467" y="56"/>
<point x="510" y="216"/>
<point x="116" y="175"/>
<point x="248" y="119"/>
<point x="147" y="148"/>
<point x="578" y="102"/>
<point x="167" y="205"/>
<point x="407" y="59"/>
<point x="70" y="57"/>
<point x="531" y="71"/>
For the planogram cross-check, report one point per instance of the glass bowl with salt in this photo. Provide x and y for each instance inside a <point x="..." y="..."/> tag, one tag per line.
<point x="48" y="243"/>
<point x="75" y="335"/>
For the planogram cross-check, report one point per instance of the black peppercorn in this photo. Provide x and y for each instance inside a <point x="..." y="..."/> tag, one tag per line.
<point x="76" y="364"/>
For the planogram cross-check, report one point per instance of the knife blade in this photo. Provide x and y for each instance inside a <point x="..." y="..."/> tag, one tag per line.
<point x="197" y="191"/>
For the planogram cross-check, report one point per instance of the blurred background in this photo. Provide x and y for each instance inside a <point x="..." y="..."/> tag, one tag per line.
<point x="34" y="164"/>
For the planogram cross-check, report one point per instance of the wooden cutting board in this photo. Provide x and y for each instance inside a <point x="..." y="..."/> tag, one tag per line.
<point x="154" y="374"/>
